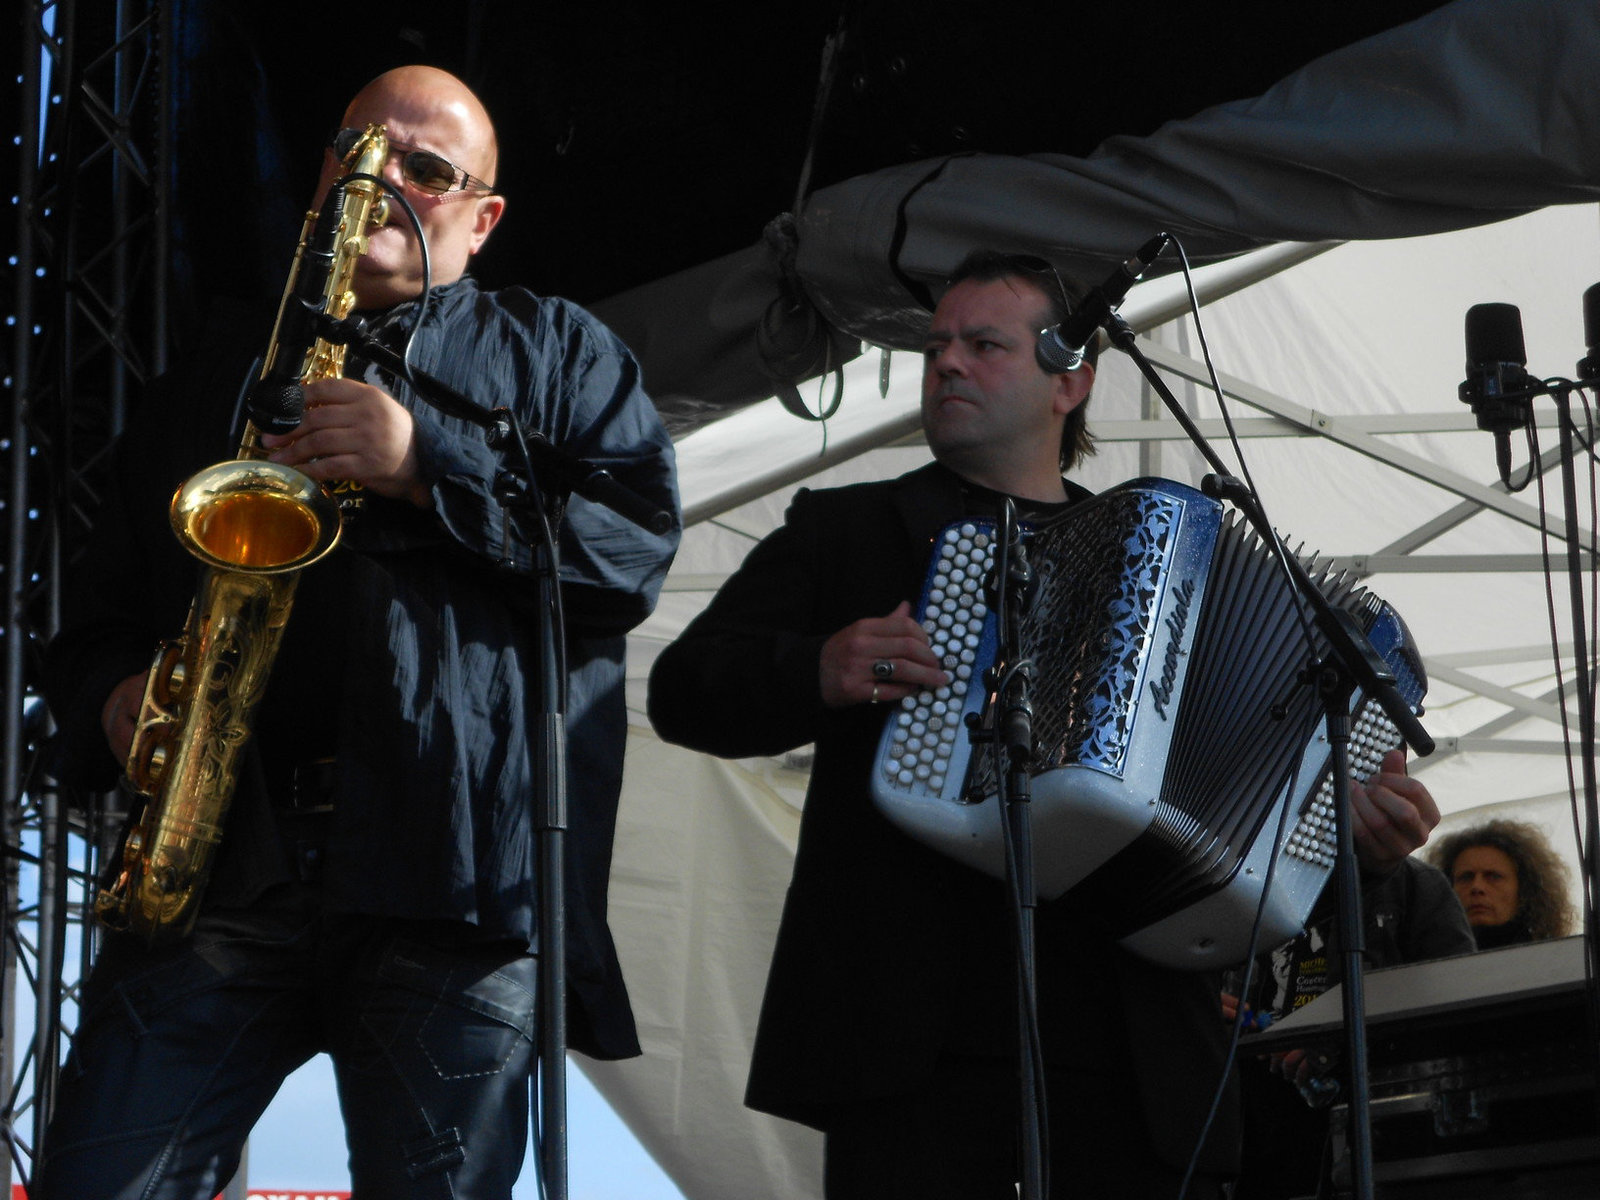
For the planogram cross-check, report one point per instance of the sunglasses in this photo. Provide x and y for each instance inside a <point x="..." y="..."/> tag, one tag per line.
<point x="422" y="169"/>
<point x="1047" y="273"/>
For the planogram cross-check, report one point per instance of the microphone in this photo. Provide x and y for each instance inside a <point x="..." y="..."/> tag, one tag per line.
<point x="277" y="400"/>
<point x="1060" y="348"/>
<point x="1589" y="365"/>
<point x="1496" y="365"/>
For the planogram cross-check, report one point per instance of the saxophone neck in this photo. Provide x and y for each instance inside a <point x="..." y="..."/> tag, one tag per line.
<point x="321" y="282"/>
<point x="250" y="446"/>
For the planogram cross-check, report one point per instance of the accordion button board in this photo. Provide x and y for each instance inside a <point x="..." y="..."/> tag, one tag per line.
<point x="955" y="614"/>
<point x="1180" y="762"/>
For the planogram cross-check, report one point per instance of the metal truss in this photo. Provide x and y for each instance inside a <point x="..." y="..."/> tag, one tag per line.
<point x="87" y="293"/>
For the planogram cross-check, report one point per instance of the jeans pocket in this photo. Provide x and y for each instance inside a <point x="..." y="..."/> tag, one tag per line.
<point x="466" y="1013"/>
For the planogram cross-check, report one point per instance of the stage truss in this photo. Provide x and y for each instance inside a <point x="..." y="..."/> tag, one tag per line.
<point x="85" y="328"/>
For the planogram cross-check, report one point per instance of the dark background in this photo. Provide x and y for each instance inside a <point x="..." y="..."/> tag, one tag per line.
<point x="641" y="140"/>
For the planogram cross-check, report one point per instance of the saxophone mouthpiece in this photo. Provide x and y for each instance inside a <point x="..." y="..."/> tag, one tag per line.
<point x="379" y="216"/>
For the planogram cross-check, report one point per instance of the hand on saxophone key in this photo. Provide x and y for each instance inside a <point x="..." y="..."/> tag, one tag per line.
<point x="121" y="714"/>
<point x="353" y="430"/>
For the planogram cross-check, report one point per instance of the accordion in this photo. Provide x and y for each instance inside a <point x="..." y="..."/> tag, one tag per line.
<point x="1180" y="753"/>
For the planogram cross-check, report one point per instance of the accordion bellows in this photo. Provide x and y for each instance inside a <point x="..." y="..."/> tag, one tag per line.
<point x="1180" y="752"/>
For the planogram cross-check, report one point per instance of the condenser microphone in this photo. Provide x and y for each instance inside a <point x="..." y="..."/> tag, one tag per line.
<point x="1060" y="347"/>
<point x="1496" y="371"/>
<point x="1589" y="365"/>
<point x="1496" y="365"/>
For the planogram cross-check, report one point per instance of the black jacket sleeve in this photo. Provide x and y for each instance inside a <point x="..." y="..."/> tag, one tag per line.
<point x="743" y="678"/>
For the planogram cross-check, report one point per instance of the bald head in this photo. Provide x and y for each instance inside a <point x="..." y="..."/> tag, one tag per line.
<point x="442" y="98"/>
<point x="424" y="108"/>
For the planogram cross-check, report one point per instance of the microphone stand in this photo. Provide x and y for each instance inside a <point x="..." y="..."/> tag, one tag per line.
<point x="535" y="458"/>
<point x="1012" y="737"/>
<point x="1586" y="713"/>
<point x="1351" y="662"/>
<point x="1500" y="413"/>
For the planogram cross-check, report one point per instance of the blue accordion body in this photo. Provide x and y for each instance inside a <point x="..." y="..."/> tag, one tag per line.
<point x="1179" y="755"/>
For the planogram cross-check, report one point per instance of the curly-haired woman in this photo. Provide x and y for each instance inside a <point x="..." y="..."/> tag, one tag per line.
<point x="1513" y="886"/>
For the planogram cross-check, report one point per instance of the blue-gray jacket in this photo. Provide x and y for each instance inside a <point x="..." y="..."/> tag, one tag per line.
<point x="412" y="653"/>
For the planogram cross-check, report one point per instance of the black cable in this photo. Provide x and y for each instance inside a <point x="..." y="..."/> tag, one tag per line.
<point x="1275" y="546"/>
<point x="425" y="299"/>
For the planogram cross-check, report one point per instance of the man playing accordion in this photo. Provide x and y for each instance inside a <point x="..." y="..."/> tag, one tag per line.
<point x="889" y="1018"/>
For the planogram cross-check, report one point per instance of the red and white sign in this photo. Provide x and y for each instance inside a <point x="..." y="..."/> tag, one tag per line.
<point x="254" y="1194"/>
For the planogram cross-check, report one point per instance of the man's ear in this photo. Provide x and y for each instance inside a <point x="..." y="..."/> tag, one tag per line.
<point x="1072" y="388"/>
<point x="490" y="210"/>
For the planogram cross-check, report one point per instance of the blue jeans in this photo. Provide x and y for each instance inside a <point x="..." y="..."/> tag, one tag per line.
<point x="179" y="1051"/>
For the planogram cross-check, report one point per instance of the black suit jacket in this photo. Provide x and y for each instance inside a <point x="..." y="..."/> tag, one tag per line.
<point x="890" y="954"/>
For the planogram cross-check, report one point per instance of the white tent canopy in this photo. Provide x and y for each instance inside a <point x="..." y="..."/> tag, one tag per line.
<point x="1341" y="365"/>
<point x="1342" y="371"/>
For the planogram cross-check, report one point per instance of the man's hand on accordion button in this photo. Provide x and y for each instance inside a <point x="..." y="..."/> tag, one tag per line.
<point x="1393" y="814"/>
<point x="852" y="669"/>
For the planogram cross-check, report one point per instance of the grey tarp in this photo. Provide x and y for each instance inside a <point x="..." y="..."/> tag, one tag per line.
<point x="1481" y="110"/>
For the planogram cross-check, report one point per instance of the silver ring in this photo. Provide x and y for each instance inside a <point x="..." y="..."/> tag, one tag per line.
<point x="883" y="669"/>
<point x="874" y="693"/>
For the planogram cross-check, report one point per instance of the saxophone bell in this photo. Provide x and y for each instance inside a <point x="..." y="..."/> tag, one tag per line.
<point x="254" y="515"/>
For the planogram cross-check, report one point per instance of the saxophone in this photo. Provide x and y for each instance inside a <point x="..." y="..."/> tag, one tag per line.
<point x="253" y="524"/>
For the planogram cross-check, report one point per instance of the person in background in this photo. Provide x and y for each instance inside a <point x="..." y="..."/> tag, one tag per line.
<point x="1410" y="915"/>
<point x="1512" y="884"/>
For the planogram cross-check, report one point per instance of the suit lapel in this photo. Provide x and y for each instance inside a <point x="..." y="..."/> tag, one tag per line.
<point x="927" y="500"/>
